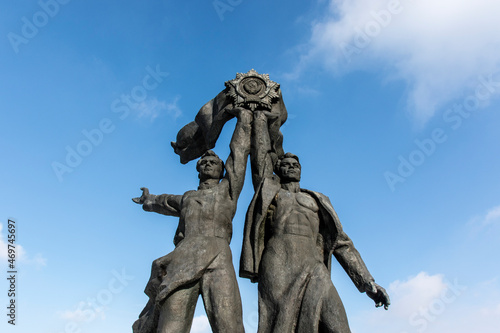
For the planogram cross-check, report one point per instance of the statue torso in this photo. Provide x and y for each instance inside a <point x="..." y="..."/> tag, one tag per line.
<point x="208" y="212"/>
<point x="291" y="253"/>
<point x="295" y="213"/>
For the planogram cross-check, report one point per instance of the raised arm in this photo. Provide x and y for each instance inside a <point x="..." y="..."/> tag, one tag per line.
<point x="166" y="204"/>
<point x="260" y="155"/>
<point x="236" y="163"/>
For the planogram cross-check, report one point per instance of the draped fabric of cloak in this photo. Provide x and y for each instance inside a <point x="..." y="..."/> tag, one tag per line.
<point x="172" y="272"/>
<point x="299" y="309"/>
<point x="200" y="135"/>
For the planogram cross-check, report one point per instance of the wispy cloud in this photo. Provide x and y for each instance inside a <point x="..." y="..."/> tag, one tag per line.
<point x="439" y="48"/>
<point x="495" y="311"/>
<point x="493" y="216"/>
<point x="152" y="108"/>
<point x="490" y="217"/>
<point x="37" y="260"/>
<point x="82" y="313"/>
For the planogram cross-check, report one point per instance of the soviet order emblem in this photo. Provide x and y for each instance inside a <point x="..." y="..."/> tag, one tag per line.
<point x="253" y="90"/>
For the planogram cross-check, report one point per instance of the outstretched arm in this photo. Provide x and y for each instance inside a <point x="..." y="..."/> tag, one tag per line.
<point x="236" y="163"/>
<point x="351" y="261"/>
<point x="166" y="204"/>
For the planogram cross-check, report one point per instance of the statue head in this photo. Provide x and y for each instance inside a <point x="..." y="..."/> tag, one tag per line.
<point x="210" y="166"/>
<point x="288" y="168"/>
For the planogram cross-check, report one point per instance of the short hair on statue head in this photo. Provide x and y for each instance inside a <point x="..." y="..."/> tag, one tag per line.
<point x="207" y="154"/>
<point x="278" y="162"/>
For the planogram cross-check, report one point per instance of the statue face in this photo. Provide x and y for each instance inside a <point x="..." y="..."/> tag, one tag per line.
<point x="290" y="169"/>
<point x="210" y="168"/>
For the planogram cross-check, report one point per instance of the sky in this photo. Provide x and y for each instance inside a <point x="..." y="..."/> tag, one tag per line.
<point x="393" y="111"/>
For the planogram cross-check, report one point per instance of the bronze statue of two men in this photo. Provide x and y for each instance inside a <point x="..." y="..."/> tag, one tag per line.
<point x="290" y="233"/>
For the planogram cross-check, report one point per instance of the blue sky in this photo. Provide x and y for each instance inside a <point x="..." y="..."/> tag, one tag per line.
<point x="393" y="110"/>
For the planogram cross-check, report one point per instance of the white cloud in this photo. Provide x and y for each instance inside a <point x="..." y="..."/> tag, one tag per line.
<point x="431" y="304"/>
<point x="439" y="48"/>
<point x="4" y="247"/>
<point x="495" y="311"/>
<point x="38" y="260"/>
<point x="493" y="216"/>
<point x="85" y="312"/>
<point x="417" y="292"/>
<point x="151" y="108"/>
<point x="201" y="325"/>
<point x="490" y="218"/>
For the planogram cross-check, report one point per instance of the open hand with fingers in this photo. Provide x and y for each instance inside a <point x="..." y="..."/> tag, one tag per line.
<point x="145" y="197"/>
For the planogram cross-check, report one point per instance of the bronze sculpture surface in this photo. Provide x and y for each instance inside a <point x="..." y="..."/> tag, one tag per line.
<point x="290" y="233"/>
<point x="201" y="262"/>
<point x="290" y="236"/>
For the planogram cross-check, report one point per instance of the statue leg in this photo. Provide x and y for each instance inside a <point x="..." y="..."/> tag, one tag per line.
<point x="176" y="313"/>
<point x="267" y="314"/>
<point x="333" y="318"/>
<point x="322" y="310"/>
<point x="221" y="295"/>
